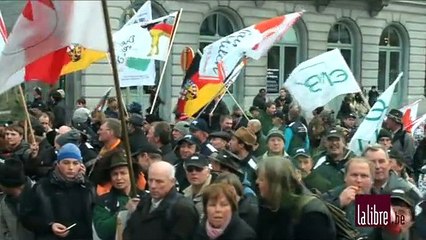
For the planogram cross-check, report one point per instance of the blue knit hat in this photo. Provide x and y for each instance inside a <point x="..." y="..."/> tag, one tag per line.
<point x="69" y="150"/>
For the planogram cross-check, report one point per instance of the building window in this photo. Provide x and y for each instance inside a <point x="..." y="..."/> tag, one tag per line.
<point x="282" y="59"/>
<point x="213" y="28"/>
<point x="390" y="57"/>
<point x="340" y="36"/>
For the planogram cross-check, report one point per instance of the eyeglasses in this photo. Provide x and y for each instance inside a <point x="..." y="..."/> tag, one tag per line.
<point x="192" y="169"/>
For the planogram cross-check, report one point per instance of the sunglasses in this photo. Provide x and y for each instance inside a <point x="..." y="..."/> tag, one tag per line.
<point x="192" y="169"/>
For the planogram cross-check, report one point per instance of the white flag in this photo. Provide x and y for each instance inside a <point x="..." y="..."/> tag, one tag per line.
<point x="368" y="130"/>
<point x="318" y="80"/>
<point x="144" y="14"/>
<point x="251" y="42"/>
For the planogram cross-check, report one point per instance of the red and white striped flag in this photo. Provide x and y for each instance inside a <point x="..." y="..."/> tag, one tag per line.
<point x="409" y="114"/>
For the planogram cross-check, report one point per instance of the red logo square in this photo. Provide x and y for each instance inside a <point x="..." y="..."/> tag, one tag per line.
<point x="372" y="210"/>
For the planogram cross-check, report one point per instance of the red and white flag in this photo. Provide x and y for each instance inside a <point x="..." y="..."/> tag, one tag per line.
<point x="251" y="42"/>
<point x="410" y="114"/>
<point x="416" y="123"/>
<point x="39" y="40"/>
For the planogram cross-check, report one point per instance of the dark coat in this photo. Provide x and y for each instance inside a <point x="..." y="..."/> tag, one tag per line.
<point x="109" y="113"/>
<point x="315" y="222"/>
<point x="179" y="222"/>
<point x="51" y="200"/>
<point x="419" y="158"/>
<point x="237" y="229"/>
<point x="39" y="104"/>
<point x="248" y="210"/>
<point x="314" y="180"/>
<point x="22" y="153"/>
<point x="259" y="101"/>
<point x="60" y="114"/>
<point x="137" y="139"/>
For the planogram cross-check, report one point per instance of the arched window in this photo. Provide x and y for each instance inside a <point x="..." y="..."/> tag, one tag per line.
<point x="390" y="57"/>
<point x="282" y="59"/>
<point x="214" y="27"/>
<point x="341" y="37"/>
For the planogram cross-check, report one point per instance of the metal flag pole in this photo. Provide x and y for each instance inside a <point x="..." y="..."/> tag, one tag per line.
<point x="125" y="135"/>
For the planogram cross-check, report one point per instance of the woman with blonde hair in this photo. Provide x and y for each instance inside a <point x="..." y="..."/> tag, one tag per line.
<point x="221" y="218"/>
<point x="283" y="214"/>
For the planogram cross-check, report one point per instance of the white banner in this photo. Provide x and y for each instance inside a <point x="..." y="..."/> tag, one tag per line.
<point x="318" y="80"/>
<point x="369" y="129"/>
<point x="252" y="42"/>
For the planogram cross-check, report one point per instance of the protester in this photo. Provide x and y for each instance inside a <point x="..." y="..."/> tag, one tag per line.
<point x="145" y="155"/>
<point x="419" y="159"/>
<point x="108" y="205"/>
<point x="283" y="101"/>
<point x="255" y="127"/>
<point x="13" y="183"/>
<point x="266" y="117"/>
<point x="385" y="138"/>
<point x="241" y="144"/>
<point x="222" y="220"/>
<point x="349" y="124"/>
<point x="214" y="112"/>
<point x="359" y="177"/>
<point x="200" y="129"/>
<point x="180" y="129"/>
<point x="401" y="141"/>
<point x="47" y="123"/>
<point x="275" y="144"/>
<point x="219" y="140"/>
<point x="112" y="108"/>
<point x="331" y="164"/>
<point x="38" y="100"/>
<point x="159" y="135"/>
<point x="238" y="118"/>
<point x="137" y="137"/>
<point x="312" y="180"/>
<point x="247" y="203"/>
<point x="296" y="132"/>
<point x="185" y="149"/>
<point x="280" y="194"/>
<point x="58" y="110"/>
<point x="163" y="213"/>
<point x="199" y="177"/>
<point x="62" y="199"/>
<point x="372" y="96"/>
<point x="260" y="99"/>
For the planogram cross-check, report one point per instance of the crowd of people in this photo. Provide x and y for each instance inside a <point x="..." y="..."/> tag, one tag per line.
<point x="265" y="173"/>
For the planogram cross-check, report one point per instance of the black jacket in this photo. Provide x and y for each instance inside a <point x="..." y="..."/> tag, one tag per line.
<point x="22" y="152"/>
<point x="248" y="210"/>
<point x="51" y="200"/>
<point x="137" y="139"/>
<point x="60" y="114"/>
<point x="259" y="101"/>
<point x="38" y="103"/>
<point x="314" y="223"/>
<point x="237" y="229"/>
<point x="175" y="218"/>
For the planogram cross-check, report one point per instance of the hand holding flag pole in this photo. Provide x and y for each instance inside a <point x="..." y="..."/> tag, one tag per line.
<point x="172" y="38"/>
<point x="133" y="191"/>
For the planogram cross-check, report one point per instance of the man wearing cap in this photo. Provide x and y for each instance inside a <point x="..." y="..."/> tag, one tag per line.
<point x="296" y="132"/>
<point x="276" y="144"/>
<point x="108" y="205"/>
<point x="13" y="183"/>
<point x="331" y="164"/>
<point x="241" y="144"/>
<point x="163" y="213"/>
<point x="398" y="164"/>
<point x="180" y="129"/>
<point x="219" y="140"/>
<point x="200" y="129"/>
<point x="312" y="180"/>
<point x="38" y="100"/>
<point x="137" y="137"/>
<point x="385" y="138"/>
<point x="404" y="207"/>
<point x="145" y="156"/>
<point x="199" y="176"/>
<point x="185" y="149"/>
<point x="349" y="123"/>
<point x="60" y="200"/>
<point x="401" y="141"/>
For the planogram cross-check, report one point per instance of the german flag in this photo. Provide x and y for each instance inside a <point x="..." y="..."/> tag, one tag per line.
<point x="196" y="92"/>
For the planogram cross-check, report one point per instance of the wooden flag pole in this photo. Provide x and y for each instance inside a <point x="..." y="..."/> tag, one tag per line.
<point x="172" y="39"/>
<point x="31" y="139"/>
<point x="125" y="136"/>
